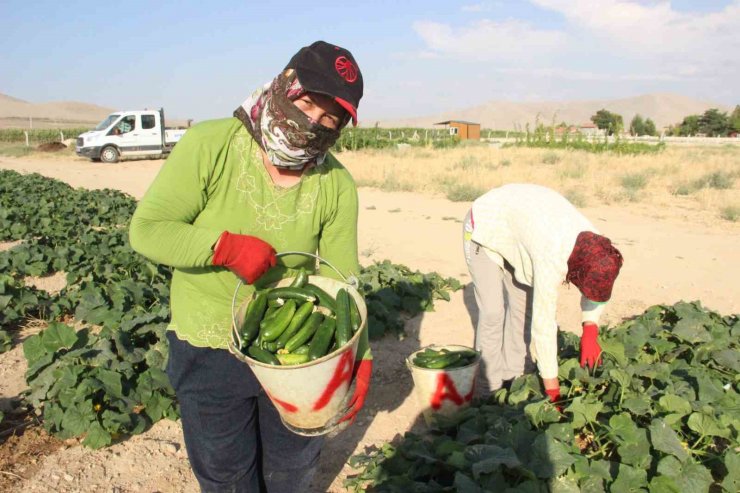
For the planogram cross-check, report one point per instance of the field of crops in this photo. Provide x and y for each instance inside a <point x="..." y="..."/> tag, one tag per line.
<point x="660" y="415"/>
<point x="96" y="372"/>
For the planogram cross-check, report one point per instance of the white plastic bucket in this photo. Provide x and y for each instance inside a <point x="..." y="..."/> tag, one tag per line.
<point x="443" y="391"/>
<point x="309" y="397"/>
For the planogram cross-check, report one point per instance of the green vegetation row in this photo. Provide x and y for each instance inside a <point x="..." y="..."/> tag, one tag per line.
<point x="660" y="415"/>
<point x="547" y="138"/>
<point x="39" y="135"/>
<point x="97" y="370"/>
<point x="353" y="139"/>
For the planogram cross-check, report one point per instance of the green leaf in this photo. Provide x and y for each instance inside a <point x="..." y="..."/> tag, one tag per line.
<point x="111" y="381"/>
<point x="688" y="476"/>
<point x="487" y="458"/>
<point x="638" y="404"/>
<point x="731" y="483"/>
<point x="530" y="486"/>
<point x="729" y="358"/>
<point x="673" y="404"/>
<point x="664" y="484"/>
<point x="156" y="406"/>
<point x="96" y="437"/>
<point x="564" y="485"/>
<point x="710" y="389"/>
<point x="464" y="484"/>
<point x="585" y="410"/>
<point x="630" y="480"/>
<point x="622" y="377"/>
<point x="75" y="421"/>
<point x="705" y="425"/>
<point x="665" y="439"/>
<point x="634" y="448"/>
<point x="541" y="412"/>
<point x="550" y="458"/>
<point x="33" y="349"/>
<point x="612" y="347"/>
<point x="58" y="336"/>
<point x="692" y="323"/>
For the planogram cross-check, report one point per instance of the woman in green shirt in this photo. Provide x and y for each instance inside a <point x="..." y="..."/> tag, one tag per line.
<point x="233" y="193"/>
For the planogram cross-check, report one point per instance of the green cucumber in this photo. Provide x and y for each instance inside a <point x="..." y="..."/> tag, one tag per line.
<point x="300" y="279"/>
<point x="251" y="324"/>
<point x="324" y="298"/>
<point x="438" y="363"/>
<point x="289" y="359"/>
<point x="269" y="346"/>
<point x="300" y="317"/>
<point x="344" y="324"/>
<point x="288" y="292"/>
<point x="322" y="339"/>
<point x="354" y="315"/>
<point x="262" y="356"/>
<point x="272" y="328"/>
<point x="276" y="303"/>
<point x="306" y="331"/>
<point x="271" y="309"/>
<point x="301" y="349"/>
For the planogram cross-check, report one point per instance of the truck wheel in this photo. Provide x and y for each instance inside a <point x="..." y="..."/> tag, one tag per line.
<point x="109" y="154"/>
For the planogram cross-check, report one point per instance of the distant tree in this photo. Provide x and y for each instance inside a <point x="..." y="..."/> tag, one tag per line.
<point x="608" y="121"/>
<point x="714" y="123"/>
<point x="689" y="126"/>
<point x="735" y="119"/>
<point x="650" y="128"/>
<point x="637" y="126"/>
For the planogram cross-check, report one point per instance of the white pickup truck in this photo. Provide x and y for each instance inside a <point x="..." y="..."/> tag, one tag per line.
<point x="129" y="134"/>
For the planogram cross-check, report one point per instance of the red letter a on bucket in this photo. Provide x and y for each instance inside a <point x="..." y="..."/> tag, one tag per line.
<point x="342" y="373"/>
<point x="446" y="390"/>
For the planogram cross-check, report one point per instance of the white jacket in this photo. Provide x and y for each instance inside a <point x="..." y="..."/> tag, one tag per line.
<point x="534" y="228"/>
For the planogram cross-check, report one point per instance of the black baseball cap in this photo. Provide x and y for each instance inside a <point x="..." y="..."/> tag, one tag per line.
<point x="328" y="69"/>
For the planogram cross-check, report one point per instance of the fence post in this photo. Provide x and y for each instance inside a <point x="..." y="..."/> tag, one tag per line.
<point x="26" y="134"/>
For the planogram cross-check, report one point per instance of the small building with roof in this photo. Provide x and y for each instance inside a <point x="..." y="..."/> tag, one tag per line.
<point x="464" y="130"/>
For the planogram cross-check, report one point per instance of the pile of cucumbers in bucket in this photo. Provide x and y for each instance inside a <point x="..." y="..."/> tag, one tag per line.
<point x="292" y="325"/>
<point x="444" y="359"/>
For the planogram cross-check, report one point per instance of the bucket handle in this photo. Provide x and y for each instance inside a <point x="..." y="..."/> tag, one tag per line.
<point x="352" y="281"/>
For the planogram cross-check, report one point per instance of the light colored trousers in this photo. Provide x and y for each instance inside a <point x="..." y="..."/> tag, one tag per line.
<point x="503" y="332"/>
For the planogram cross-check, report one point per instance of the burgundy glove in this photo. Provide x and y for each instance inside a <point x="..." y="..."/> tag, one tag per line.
<point x="246" y="256"/>
<point x="362" y="384"/>
<point x="590" y="349"/>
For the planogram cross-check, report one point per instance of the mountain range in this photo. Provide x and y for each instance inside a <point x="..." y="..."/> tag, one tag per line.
<point x="663" y="108"/>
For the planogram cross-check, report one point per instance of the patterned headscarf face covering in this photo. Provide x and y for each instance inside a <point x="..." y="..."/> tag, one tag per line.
<point x="290" y="139"/>
<point x="594" y="265"/>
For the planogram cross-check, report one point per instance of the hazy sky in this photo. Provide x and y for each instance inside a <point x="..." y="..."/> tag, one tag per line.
<point x="201" y="59"/>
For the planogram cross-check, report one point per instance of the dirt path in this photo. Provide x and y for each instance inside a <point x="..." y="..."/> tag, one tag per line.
<point x="670" y="254"/>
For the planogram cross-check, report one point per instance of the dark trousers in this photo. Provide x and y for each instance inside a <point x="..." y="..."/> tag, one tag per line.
<point x="233" y="434"/>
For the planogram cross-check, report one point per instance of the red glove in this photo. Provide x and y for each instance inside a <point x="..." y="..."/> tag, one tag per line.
<point x="590" y="349"/>
<point x="246" y="256"/>
<point x="554" y="395"/>
<point x="362" y="384"/>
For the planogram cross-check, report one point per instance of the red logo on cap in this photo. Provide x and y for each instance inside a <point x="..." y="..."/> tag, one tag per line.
<point x="346" y="69"/>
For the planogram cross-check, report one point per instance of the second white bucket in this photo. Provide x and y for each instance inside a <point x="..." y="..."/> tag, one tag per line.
<point x="443" y="391"/>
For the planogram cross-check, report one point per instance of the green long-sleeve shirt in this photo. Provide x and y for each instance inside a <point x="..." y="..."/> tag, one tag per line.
<point x="215" y="181"/>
